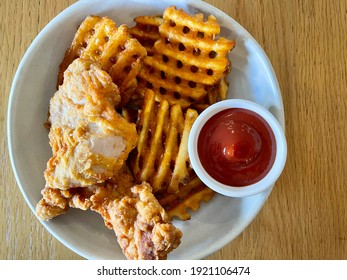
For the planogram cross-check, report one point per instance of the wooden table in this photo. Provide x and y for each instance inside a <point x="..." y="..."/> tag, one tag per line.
<point x="305" y="216"/>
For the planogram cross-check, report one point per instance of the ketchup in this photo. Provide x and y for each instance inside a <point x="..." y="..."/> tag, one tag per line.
<point x="237" y="147"/>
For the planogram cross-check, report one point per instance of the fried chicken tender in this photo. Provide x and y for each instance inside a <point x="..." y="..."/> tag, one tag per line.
<point x="89" y="139"/>
<point x="55" y="202"/>
<point x="142" y="227"/>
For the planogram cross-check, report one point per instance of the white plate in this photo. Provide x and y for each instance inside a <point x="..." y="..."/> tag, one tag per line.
<point x="217" y="222"/>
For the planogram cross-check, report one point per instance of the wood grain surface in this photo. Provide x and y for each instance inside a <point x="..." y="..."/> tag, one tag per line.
<point x="305" y="216"/>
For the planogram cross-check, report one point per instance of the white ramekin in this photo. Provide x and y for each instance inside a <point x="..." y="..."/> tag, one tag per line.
<point x="281" y="149"/>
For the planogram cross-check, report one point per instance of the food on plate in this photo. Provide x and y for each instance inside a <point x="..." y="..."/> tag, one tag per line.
<point x="146" y="31"/>
<point x="90" y="142"/>
<point x="161" y="156"/>
<point x="187" y="59"/>
<point x="142" y="227"/>
<point x="99" y="39"/>
<point x="214" y="94"/>
<point x="120" y="121"/>
<point x="152" y="32"/>
<point x="89" y="139"/>
<point x="55" y="202"/>
<point x="162" y="150"/>
<point x="188" y="197"/>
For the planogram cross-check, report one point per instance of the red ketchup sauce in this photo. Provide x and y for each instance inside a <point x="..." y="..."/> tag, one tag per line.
<point x="237" y="147"/>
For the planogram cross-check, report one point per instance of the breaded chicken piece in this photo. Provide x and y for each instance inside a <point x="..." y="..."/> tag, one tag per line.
<point x="90" y="142"/>
<point x="141" y="225"/>
<point x="143" y="229"/>
<point x="89" y="139"/>
<point x="55" y="202"/>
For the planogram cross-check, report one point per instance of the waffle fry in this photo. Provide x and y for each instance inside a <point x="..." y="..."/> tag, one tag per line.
<point x="99" y="39"/>
<point x="162" y="150"/>
<point x="215" y="93"/>
<point x="191" y="202"/>
<point x="146" y="31"/>
<point x="189" y="197"/>
<point x="186" y="59"/>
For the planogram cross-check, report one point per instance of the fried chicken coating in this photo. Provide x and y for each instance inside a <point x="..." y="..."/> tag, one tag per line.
<point x="143" y="229"/>
<point x="89" y="139"/>
<point x="90" y="143"/>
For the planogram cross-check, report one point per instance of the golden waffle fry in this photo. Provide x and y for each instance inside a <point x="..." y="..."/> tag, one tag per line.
<point x="192" y="202"/>
<point x="146" y="31"/>
<point x="186" y="59"/>
<point x="168" y="200"/>
<point x="99" y="39"/>
<point x="188" y="197"/>
<point x="162" y="151"/>
<point x="215" y="93"/>
<point x="182" y="168"/>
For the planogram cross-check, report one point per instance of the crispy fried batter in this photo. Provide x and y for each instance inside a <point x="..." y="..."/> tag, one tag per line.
<point x="186" y="59"/>
<point x="142" y="227"/>
<point x="55" y="202"/>
<point x="89" y="139"/>
<point x="162" y="151"/>
<point x="99" y="39"/>
<point x="52" y="204"/>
